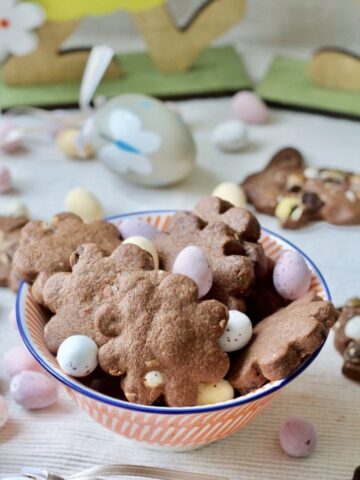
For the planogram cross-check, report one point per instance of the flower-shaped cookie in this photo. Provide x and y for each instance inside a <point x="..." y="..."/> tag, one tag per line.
<point x="76" y="296"/>
<point x="46" y="249"/>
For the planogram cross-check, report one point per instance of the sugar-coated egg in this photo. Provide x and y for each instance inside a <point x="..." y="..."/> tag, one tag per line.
<point x="231" y="192"/>
<point x="33" y="390"/>
<point x="154" y="379"/>
<point x="147" y="245"/>
<point x="193" y="262"/>
<point x="230" y="136"/>
<point x="292" y="276"/>
<point x="134" y="227"/>
<point x="250" y="108"/>
<point x="5" y="179"/>
<point x="78" y="356"/>
<point x="74" y="145"/>
<point x="84" y="204"/>
<point x="17" y="208"/>
<point x="237" y="333"/>
<point x="210" y="393"/>
<point x="11" y="137"/>
<point x="4" y="412"/>
<point x="18" y="359"/>
<point x="352" y="328"/>
<point x="298" y="437"/>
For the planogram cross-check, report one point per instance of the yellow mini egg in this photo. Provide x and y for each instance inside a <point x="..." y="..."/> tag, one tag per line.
<point x="72" y="144"/>
<point x="146" y="245"/>
<point x="210" y="393"/>
<point x="231" y="192"/>
<point x="84" y="204"/>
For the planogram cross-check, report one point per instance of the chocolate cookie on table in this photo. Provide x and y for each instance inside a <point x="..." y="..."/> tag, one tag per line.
<point x="347" y="338"/>
<point x="10" y="230"/>
<point x="297" y="194"/>
<point x="45" y="249"/>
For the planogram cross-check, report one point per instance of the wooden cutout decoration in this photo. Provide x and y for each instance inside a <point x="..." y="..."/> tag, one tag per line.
<point x="172" y="48"/>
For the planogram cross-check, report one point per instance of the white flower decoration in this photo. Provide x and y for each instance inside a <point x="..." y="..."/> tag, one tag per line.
<point x="16" y="22"/>
<point x="130" y="143"/>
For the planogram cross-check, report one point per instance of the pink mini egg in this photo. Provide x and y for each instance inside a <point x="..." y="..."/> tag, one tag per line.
<point x="249" y="108"/>
<point x="33" y="390"/>
<point x="193" y="262"/>
<point x="18" y="359"/>
<point x="11" y="137"/>
<point x="4" y="411"/>
<point x="292" y="276"/>
<point x="132" y="227"/>
<point x="5" y="179"/>
<point x="298" y="437"/>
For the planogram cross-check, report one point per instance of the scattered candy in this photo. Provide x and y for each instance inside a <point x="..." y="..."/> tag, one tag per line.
<point x="289" y="208"/>
<point x="5" y="179"/>
<point x="292" y="276"/>
<point x="134" y="227"/>
<point x="146" y="245"/>
<point x="74" y="145"/>
<point x="298" y="437"/>
<point x="153" y="379"/>
<point x="352" y="328"/>
<point x="84" y="204"/>
<point x="230" y="136"/>
<point x="17" y="209"/>
<point x="238" y="332"/>
<point x="18" y="359"/>
<point x="33" y="390"/>
<point x="193" y="262"/>
<point x="210" y="393"/>
<point x="248" y="107"/>
<point x="231" y="192"/>
<point x="11" y="138"/>
<point x="78" y="356"/>
<point x="4" y="412"/>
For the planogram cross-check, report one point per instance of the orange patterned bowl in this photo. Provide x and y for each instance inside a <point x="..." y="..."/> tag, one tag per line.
<point x="178" y="429"/>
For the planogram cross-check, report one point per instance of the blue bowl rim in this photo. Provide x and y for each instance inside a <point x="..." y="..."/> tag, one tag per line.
<point x="94" y="395"/>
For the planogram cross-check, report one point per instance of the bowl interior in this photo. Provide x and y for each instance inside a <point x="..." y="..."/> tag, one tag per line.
<point x="31" y="320"/>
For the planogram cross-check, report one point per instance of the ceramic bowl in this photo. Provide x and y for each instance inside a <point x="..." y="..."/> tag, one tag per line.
<point x="177" y="429"/>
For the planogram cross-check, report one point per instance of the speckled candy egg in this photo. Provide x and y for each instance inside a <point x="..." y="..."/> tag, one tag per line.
<point x="78" y="356"/>
<point x="231" y="192"/>
<point x="193" y="262"/>
<point x="134" y="227"/>
<point x="249" y="108"/>
<point x="211" y="393"/>
<point x="147" y="245"/>
<point x="298" y="437"/>
<point x="230" y="136"/>
<point x="18" y="359"/>
<point x="11" y="137"/>
<point x="84" y="204"/>
<point x="237" y="333"/>
<point x="33" y="390"/>
<point x="4" y="411"/>
<point x="141" y="139"/>
<point x="292" y="276"/>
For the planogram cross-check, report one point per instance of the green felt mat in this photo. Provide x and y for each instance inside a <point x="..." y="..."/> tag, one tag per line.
<point x="217" y="71"/>
<point x="287" y="84"/>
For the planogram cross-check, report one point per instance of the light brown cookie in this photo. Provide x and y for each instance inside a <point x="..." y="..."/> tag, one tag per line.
<point x="10" y="230"/>
<point x="45" y="249"/>
<point x="282" y="341"/>
<point x="76" y="296"/>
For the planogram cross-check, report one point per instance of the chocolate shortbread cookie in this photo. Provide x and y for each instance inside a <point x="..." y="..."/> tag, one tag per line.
<point x="281" y="341"/>
<point x="297" y="194"/>
<point x="76" y="296"/>
<point x="10" y="230"/>
<point x="348" y="347"/>
<point x="45" y="249"/>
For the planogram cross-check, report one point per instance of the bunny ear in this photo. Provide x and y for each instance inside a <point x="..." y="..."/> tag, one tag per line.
<point x="99" y="59"/>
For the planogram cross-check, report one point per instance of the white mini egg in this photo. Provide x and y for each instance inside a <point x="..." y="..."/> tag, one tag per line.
<point x="153" y="379"/>
<point x="230" y="136"/>
<point x="17" y="209"/>
<point x="210" y="393"/>
<point x="237" y="333"/>
<point x="147" y="245"/>
<point x="352" y="328"/>
<point x="231" y="192"/>
<point x="77" y="356"/>
<point x="84" y="204"/>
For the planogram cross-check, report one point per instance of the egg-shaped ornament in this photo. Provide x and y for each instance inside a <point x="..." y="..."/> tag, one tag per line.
<point x="143" y="140"/>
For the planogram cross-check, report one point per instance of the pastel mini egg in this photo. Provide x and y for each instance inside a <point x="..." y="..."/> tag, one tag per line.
<point x="33" y="390"/>
<point x="230" y="136"/>
<point x="237" y="333"/>
<point x="84" y="204"/>
<point x="292" y="276"/>
<point x="250" y="108"/>
<point x="352" y="328"/>
<point x="147" y="245"/>
<point x="231" y="192"/>
<point x="4" y="411"/>
<point x="134" y="227"/>
<point x="5" y="179"/>
<point x="211" y="393"/>
<point x="298" y="437"/>
<point x="193" y="262"/>
<point x="78" y="356"/>
<point x="17" y="208"/>
<point x="18" y="359"/>
<point x="154" y="379"/>
<point x="11" y="137"/>
<point x="74" y="145"/>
